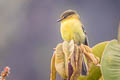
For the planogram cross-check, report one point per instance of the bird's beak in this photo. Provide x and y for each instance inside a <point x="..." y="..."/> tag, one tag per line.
<point x="59" y="20"/>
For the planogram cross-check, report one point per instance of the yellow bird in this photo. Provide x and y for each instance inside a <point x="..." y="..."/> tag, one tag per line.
<point x="73" y="29"/>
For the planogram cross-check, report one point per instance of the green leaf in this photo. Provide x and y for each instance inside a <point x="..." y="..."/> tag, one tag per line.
<point x="95" y="72"/>
<point x="110" y="62"/>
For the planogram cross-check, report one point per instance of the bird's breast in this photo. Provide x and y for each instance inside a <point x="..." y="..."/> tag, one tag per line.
<point x="69" y="28"/>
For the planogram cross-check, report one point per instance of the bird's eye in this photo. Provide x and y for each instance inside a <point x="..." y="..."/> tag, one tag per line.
<point x="65" y="16"/>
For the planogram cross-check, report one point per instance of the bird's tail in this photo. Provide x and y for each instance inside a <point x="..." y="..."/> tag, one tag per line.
<point x="84" y="67"/>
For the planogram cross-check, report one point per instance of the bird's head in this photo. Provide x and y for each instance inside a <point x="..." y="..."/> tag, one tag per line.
<point x="67" y="15"/>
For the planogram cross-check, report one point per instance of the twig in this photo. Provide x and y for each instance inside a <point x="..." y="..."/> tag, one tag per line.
<point x="4" y="73"/>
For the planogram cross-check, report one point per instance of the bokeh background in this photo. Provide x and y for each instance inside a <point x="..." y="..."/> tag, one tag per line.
<point x="29" y="31"/>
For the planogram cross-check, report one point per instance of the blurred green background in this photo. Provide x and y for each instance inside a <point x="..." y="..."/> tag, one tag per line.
<point x="29" y="31"/>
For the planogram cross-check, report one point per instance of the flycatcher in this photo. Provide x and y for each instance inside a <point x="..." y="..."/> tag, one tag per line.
<point x="73" y="29"/>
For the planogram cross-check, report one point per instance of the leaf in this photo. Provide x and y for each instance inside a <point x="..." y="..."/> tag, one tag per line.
<point x="110" y="63"/>
<point x="53" y="70"/>
<point x="68" y="48"/>
<point x="60" y="61"/>
<point x="98" y="49"/>
<point x="95" y="73"/>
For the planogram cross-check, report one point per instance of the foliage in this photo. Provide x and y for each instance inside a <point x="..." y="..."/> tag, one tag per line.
<point x="95" y="73"/>
<point x="110" y="63"/>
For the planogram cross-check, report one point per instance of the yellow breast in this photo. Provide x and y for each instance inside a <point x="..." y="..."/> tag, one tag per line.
<point x="71" y="27"/>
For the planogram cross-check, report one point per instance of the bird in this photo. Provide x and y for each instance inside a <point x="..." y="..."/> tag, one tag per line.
<point x="71" y="28"/>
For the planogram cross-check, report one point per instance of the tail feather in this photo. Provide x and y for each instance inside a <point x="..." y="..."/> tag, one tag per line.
<point x="84" y="68"/>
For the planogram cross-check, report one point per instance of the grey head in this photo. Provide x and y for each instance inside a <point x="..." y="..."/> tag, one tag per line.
<point x="65" y="14"/>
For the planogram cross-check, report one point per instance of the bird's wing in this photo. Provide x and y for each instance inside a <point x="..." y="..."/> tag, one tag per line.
<point x="86" y="41"/>
<point x="86" y="38"/>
